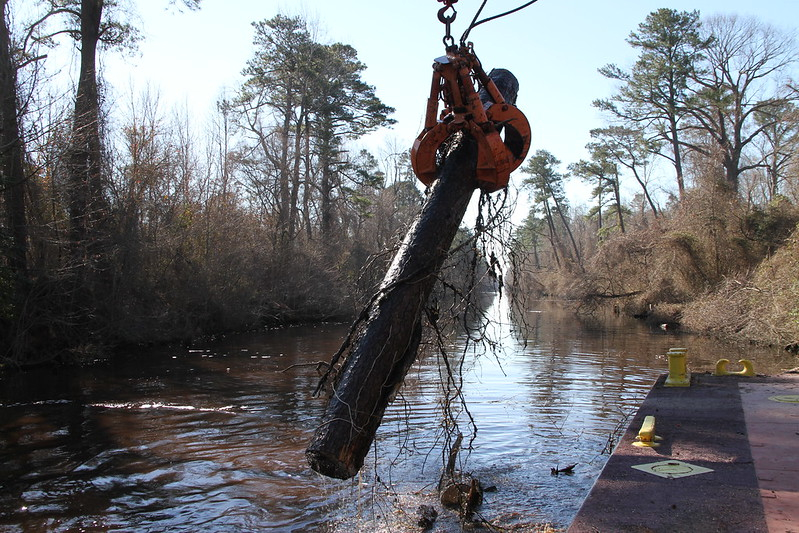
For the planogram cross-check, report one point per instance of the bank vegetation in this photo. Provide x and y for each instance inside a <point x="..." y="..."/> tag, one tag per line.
<point x="129" y="227"/>
<point x="712" y="103"/>
<point x="121" y="224"/>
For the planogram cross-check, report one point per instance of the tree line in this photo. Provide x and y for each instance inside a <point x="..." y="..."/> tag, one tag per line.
<point x="132" y="228"/>
<point x="710" y="102"/>
<point x="704" y="126"/>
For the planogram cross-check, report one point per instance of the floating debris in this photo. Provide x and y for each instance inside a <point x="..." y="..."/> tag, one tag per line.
<point x="568" y="470"/>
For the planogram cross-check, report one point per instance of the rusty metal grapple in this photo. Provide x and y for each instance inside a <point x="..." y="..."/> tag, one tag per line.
<point x="500" y="128"/>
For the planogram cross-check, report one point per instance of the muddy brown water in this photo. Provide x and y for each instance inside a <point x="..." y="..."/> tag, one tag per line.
<point x="212" y="437"/>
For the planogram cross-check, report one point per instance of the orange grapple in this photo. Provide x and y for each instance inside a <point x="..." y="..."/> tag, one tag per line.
<point x="500" y="128"/>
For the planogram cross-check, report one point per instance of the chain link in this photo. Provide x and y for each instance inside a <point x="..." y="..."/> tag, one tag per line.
<point x="447" y="19"/>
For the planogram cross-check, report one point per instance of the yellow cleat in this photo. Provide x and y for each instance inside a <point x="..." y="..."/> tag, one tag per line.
<point x="646" y="436"/>
<point x="721" y="368"/>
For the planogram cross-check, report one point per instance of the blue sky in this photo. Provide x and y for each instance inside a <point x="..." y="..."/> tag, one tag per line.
<point x="554" y="47"/>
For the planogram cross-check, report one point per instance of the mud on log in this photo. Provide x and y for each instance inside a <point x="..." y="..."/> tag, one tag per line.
<point x="386" y="345"/>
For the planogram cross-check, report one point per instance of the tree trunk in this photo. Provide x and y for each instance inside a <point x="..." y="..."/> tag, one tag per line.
<point x="295" y="177"/>
<point x="87" y="206"/>
<point x="565" y="222"/>
<point x="326" y="201"/>
<point x="536" y="257"/>
<point x="646" y="191"/>
<point x="385" y="345"/>
<point x="675" y="147"/>
<point x="283" y="179"/>
<point x="327" y="157"/>
<point x="307" y="191"/>
<point x="12" y="169"/>
<point x="732" y="170"/>
<point x="599" y="208"/>
<point x="617" y="197"/>
<point x="554" y="240"/>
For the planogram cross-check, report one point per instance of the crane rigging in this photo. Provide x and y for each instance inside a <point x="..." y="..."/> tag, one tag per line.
<point x="500" y="129"/>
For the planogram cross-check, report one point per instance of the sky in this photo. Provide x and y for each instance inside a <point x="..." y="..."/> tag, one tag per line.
<point x="554" y="47"/>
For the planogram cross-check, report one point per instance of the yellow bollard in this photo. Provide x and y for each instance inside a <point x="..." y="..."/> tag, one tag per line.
<point x="721" y="368"/>
<point x="678" y="371"/>
<point x="646" y="436"/>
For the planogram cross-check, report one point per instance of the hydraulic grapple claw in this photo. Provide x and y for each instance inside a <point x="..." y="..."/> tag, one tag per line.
<point x="501" y="130"/>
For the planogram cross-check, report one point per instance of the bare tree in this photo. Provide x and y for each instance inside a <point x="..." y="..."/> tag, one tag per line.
<point x="778" y="146"/>
<point x="741" y="89"/>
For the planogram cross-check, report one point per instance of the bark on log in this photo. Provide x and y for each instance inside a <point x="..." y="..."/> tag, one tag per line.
<point x="386" y="345"/>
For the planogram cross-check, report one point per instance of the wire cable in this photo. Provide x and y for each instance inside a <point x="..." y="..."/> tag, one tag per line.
<point x="474" y="23"/>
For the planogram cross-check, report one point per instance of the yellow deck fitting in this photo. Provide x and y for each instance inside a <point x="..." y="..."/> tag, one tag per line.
<point x="672" y="469"/>
<point x="678" y="371"/>
<point x="646" y="436"/>
<point x="721" y="368"/>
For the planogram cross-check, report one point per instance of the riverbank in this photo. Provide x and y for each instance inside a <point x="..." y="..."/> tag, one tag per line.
<point x="726" y="462"/>
<point x="759" y="307"/>
<point x="727" y="273"/>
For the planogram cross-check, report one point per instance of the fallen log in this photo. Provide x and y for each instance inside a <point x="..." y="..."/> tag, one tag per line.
<point x="386" y="344"/>
<point x="383" y="345"/>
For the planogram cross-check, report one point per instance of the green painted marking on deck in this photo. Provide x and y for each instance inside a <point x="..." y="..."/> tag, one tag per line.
<point x="785" y="398"/>
<point x="672" y="469"/>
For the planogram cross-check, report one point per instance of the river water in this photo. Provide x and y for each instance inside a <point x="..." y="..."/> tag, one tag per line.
<point x="212" y="437"/>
